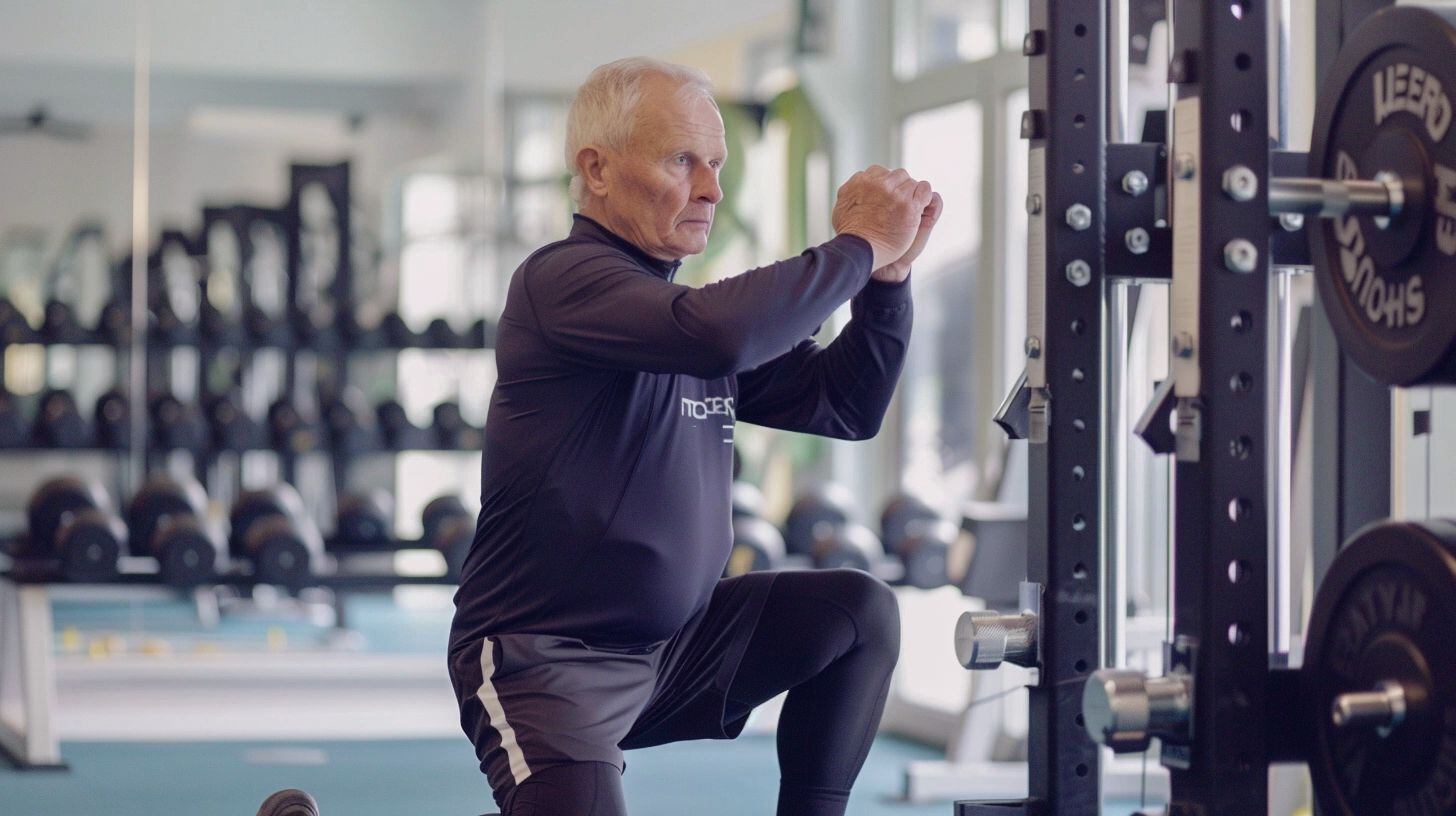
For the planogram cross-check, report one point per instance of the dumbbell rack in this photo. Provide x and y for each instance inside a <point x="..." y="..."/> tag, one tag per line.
<point x="27" y="681"/>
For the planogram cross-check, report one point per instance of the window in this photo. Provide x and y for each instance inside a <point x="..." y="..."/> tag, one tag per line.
<point x="445" y="270"/>
<point x="932" y="33"/>
<point x="940" y="383"/>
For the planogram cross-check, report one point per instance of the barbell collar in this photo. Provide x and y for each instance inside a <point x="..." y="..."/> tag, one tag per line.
<point x="1328" y="198"/>
<point x="1382" y="709"/>
<point x="986" y="639"/>
<point x="1124" y="709"/>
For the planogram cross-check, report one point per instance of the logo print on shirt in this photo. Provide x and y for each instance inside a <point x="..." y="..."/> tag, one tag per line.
<point x="710" y="407"/>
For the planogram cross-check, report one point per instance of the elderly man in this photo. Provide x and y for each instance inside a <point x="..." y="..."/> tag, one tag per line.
<point x="591" y="617"/>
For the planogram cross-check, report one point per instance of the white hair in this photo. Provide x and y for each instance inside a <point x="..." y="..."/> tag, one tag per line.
<point x="604" y="110"/>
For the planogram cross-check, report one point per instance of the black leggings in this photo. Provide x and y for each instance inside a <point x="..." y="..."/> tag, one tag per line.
<point x="831" y="639"/>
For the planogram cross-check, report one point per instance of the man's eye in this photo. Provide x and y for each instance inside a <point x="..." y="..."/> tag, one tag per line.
<point x="680" y="159"/>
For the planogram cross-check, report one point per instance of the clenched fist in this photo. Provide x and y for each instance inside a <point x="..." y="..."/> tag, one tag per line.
<point x="884" y="207"/>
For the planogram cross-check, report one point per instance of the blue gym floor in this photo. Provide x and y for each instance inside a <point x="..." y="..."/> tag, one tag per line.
<point x="415" y="777"/>
<point x="377" y="777"/>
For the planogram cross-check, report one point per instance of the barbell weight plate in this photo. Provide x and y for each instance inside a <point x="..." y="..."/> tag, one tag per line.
<point x="1385" y="611"/>
<point x="1386" y="107"/>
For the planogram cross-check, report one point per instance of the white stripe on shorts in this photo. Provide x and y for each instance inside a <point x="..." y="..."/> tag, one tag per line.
<point x="488" y="697"/>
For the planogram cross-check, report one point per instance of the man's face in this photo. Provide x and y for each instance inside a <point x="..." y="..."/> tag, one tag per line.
<point x="662" y="189"/>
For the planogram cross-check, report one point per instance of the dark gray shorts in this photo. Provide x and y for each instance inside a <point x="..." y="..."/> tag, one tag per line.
<point x="530" y="701"/>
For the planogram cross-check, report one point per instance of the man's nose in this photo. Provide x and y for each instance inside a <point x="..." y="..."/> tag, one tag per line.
<point x="707" y="189"/>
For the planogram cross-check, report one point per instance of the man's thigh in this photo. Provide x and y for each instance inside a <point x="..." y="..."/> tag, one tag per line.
<point x="573" y="789"/>
<point x="533" y="702"/>
<point x="690" y="700"/>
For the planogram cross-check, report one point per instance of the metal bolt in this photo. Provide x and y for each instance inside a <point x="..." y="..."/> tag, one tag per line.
<point x="1079" y="273"/>
<point x="1033" y="204"/>
<point x="1184" y="166"/>
<point x="1135" y="183"/>
<point x="1240" y="183"/>
<point x="1079" y="217"/>
<point x="1033" y="347"/>
<point x="1137" y="240"/>
<point x="1239" y="255"/>
<point x="1181" y="345"/>
<point x="1291" y="222"/>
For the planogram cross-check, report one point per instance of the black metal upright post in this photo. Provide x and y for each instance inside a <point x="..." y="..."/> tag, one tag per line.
<point x="1066" y="129"/>
<point x="1220" y="334"/>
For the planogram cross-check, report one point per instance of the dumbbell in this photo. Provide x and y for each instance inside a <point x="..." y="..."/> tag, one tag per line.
<point x="926" y="556"/>
<point x="14" y="328"/>
<point x="230" y="425"/>
<point x="349" y="422"/>
<point x="58" y="421"/>
<point x="59" y="324"/>
<point x="397" y="333"/>
<point x="815" y="514"/>
<point x="365" y="522"/>
<point x="271" y="530"/>
<point x="73" y="519"/>
<point x="397" y="430"/>
<point x="915" y="534"/>
<point x="177" y="425"/>
<point x="265" y="328"/>
<point x="481" y="334"/>
<point x="362" y="333"/>
<point x="291" y="431"/>
<point x="748" y="500"/>
<point x="440" y="334"/>
<point x="13" y="430"/>
<point x="845" y="546"/>
<point x="904" y="515"/>
<point x="757" y="546"/>
<point x="167" y="521"/>
<point x="449" y="527"/>
<point x="451" y="430"/>
<point x="112" y="418"/>
<point x="114" y="324"/>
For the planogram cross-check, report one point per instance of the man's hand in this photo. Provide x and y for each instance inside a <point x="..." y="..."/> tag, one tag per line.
<point x="885" y="208"/>
<point x="897" y="271"/>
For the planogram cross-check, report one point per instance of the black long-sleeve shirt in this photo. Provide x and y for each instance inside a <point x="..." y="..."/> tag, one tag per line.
<point x="605" y="506"/>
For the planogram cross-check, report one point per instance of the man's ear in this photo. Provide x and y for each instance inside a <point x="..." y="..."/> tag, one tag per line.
<point x="592" y="163"/>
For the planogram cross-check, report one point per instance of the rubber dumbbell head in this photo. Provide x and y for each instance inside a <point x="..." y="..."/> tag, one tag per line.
<point x="814" y="516"/>
<point x="58" y="422"/>
<point x="365" y="521"/>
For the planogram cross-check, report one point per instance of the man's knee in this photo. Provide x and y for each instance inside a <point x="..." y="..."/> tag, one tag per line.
<point x="872" y="606"/>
